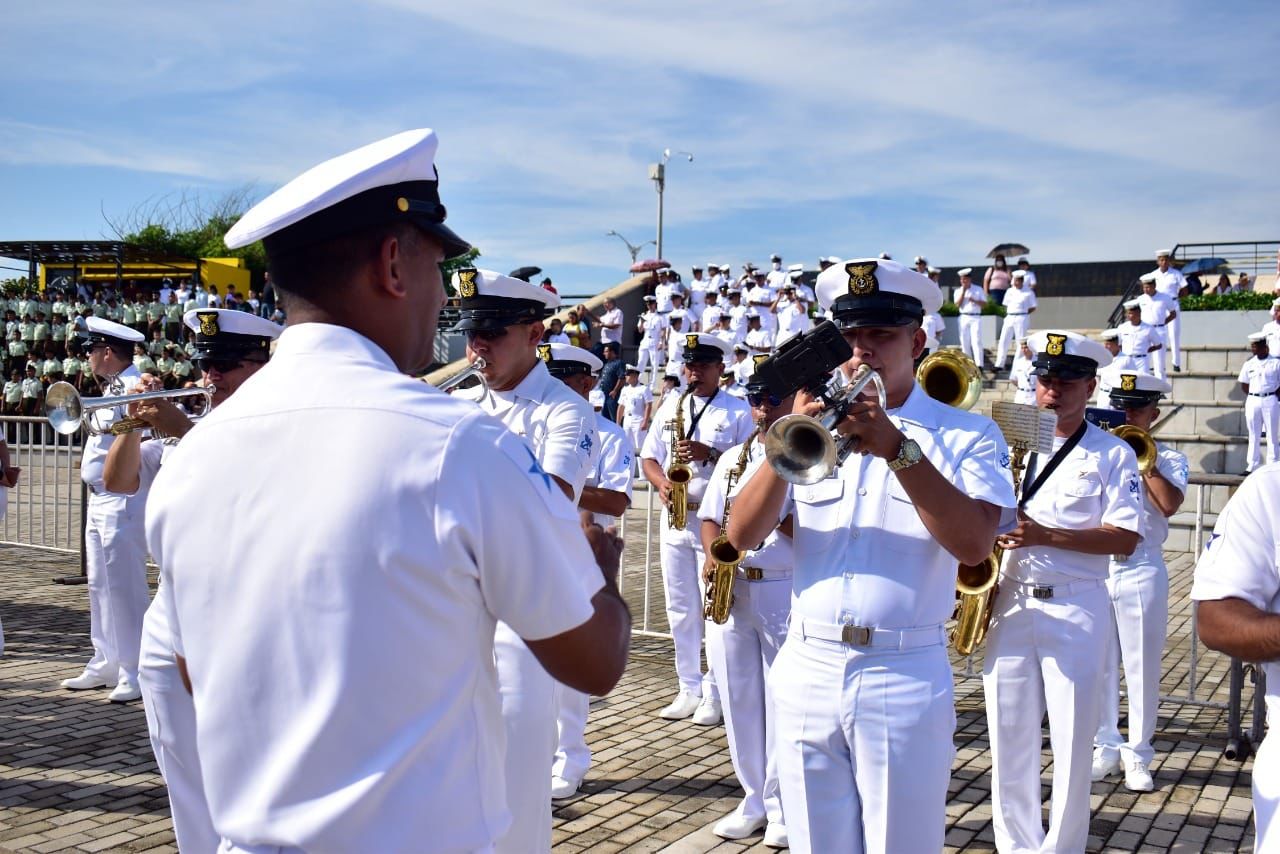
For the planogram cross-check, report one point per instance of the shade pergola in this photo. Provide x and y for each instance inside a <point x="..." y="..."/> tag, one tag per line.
<point x="77" y="254"/>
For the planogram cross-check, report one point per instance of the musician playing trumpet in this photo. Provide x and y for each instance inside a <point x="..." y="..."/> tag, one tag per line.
<point x="712" y="422"/>
<point x="741" y="649"/>
<point x="862" y="695"/>
<point x="1138" y="585"/>
<point x="1052" y="618"/>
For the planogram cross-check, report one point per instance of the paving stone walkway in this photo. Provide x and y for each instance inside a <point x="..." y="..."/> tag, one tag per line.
<point x="76" y="772"/>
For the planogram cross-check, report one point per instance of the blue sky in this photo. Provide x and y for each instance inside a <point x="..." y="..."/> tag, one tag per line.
<point x="1089" y="131"/>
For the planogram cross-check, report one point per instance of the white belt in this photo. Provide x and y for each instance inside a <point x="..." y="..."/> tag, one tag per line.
<point x="1051" y="591"/>
<point x="866" y="636"/>
<point x="755" y="573"/>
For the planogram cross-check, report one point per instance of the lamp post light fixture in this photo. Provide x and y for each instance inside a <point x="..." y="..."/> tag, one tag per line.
<point x="658" y="174"/>
<point x="631" y="247"/>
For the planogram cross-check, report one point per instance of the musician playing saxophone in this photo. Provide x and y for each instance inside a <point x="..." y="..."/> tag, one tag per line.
<point x="713" y="422"/>
<point x="864" y="712"/>
<point x="741" y="651"/>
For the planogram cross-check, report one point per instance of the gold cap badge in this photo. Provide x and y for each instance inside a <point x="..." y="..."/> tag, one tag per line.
<point x="1057" y="344"/>
<point x="691" y="340"/>
<point x="467" y="282"/>
<point x="1128" y="382"/>
<point x="862" y="278"/>
<point x="208" y="323"/>
<point x="544" y="352"/>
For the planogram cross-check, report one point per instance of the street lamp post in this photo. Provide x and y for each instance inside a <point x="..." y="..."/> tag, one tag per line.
<point x="658" y="174"/>
<point x="631" y="247"/>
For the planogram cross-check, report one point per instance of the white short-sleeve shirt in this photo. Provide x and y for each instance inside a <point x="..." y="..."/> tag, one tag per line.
<point x="1174" y="468"/>
<point x="634" y="399"/>
<point x="1262" y="376"/>
<point x="776" y="552"/>
<point x="726" y="422"/>
<point x="977" y="297"/>
<point x="1137" y="340"/>
<point x="613" y="469"/>
<point x="1170" y="283"/>
<point x="862" y="554"/>
<point x="96" y="447"/>
<point x="1019" y="300"/>
<point x="339" y="636"/>
<point x="1156" y="309"/>
<point x="608" y="335"/>
<point x="1096" y="484"/>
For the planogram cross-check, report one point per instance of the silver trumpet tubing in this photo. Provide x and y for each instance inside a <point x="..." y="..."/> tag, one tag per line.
<point x="473" y="370"/>
<point x="803" y="449"/>
<point x="68" y="412"/>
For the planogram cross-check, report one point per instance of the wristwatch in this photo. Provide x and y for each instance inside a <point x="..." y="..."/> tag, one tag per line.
<point x="908" y="455"/>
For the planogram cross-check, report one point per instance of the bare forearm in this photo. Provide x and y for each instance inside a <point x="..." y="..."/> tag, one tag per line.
<point x="653" y="473"/>
<point x="756" y="509"/>
<point x="1166" y="496"/>
<point x="591" y="657"/>
<point x="964" y="526"/>
<point x="120" y="471"/>
<point x="1105" y="540"/>
<point x="708" y="532"/>
<point x="1239" y="629"/>
<point x="607" y="501"/>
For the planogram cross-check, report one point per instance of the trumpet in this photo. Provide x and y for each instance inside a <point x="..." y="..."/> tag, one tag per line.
<point x="1144" y="446"/>
<point x="803" y="449"/>
<point x="472" y="370"/>
<point x="950" y="377"/>
<point x="67" y="411"/>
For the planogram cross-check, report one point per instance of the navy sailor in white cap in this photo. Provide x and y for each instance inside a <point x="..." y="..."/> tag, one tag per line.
<point x="862" y="687"/>
<point x="502" y="319"/>
<point x="607" y="495"/>
<point x="1051" y="622"/>
<point x="1173" y="285"/>
<point x="1259" y="380"/>
<point x="231" y="346"/>
<point x="714" y="421"/>
<point x="1139" y="588"/>
<point x="115" y="540"/>
<point x="339" y="636"/>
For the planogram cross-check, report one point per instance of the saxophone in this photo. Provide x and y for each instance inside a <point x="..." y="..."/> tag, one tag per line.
<point x="725" y="557"/>
<point x="678" y="474"/>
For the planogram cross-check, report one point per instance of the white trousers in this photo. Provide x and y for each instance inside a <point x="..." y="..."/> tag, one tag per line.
<point x="635" y="436"/>
<point x="681" y="555"/>
<point x="864" y="745"/>
<point x="1139" y="591"/>
<point x="1262" y="413"/>
<point x="1160" y="358"/>
<point x="573" y="755"/>
<point x="740" y="653"/>
<point x="1044" y="654"/>
<point x="529" y="715"/>
<point x="1266" y="785"/>
<point x="116" y="554"/>
<point x="647" y="357"/>
<point x="971" y="337"/>
<point x="1173" y="337"/>
<point x="1014" y="327"/>
<point x="171" y="724"/>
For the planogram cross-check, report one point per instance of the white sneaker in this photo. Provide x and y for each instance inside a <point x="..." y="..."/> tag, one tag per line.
<point x="126" y="691"/>
<point x="681" y="707"/>
<point x="775" y="836"/>
<point x="1137" y="778"/>
<point x="708" y="712"/>
<point x="1103" y="768"/>
<point x="562" y="788"/>
<point x="86" y="681"/>
<point x="734" y="826"/>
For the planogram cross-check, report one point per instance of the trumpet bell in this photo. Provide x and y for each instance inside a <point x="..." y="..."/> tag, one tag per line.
<point x="951" y="378"/>
<point x="1144" y="447"/>
<point x="800" y="449"/>
<point x="63" y="409"/>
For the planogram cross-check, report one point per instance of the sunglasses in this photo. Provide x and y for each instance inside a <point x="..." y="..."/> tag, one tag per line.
<point x="223" y="366"/>
<point x="486" y="334"/>
<point x="758" y="398"/>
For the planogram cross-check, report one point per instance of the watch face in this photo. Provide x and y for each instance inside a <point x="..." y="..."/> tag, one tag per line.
<point x="911" y="451"/>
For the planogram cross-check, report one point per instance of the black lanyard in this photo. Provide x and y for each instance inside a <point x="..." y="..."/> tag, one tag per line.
<point x="1054" y="462"/>
<point x="694" y="419"/>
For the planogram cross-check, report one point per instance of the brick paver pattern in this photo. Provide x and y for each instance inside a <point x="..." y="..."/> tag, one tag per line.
<point x="77" y="773"/>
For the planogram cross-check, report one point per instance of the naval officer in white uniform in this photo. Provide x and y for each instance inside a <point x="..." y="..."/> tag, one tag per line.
<point x="606" y="495"/>
<point x="742" y="650"/>
<point x="1172" y="284"/>
<point x="862" y="687"/>
<point x="714" y="421"/>
<point x="1237" y="586"/>
<point x="1139" y="588"/>
<point x="339" y="638"/>
<point x="230" y="346"/>
<point x="114" y="537"/>
<point x="502" y="319"/>
<point x="1260" y="380"/>
<point x="1051" y="622"/>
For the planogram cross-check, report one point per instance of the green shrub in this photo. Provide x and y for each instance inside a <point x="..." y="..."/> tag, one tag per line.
<point x="1245" y="301"/>
<point x="950" y="309"/>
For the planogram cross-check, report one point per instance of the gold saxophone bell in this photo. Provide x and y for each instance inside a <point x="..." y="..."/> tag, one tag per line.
<point x="1143" y="445"/>
<point x="678" y="474"/>
<point x="724" y="557"/>
<point x="950" y="377"/>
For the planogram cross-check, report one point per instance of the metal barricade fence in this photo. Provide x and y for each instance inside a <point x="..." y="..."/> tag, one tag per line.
<point x="640" y="578"/>
<point x="46" y="508"/>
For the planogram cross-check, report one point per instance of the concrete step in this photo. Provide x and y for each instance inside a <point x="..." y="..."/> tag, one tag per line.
<point x="1206" y="385"/>
<point x="1217" y="359"/>
<point x="1202" y="418"/>
<point x="1208" y="453"/>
